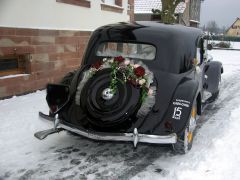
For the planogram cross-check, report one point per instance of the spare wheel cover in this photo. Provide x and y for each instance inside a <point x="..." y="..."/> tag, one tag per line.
<point x="107" y="110"/>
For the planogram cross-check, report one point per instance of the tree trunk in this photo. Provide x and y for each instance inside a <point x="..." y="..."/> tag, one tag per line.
<point x="168" y="11"/>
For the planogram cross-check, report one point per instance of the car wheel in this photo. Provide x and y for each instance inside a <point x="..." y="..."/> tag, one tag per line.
<point x="185" y="139"/>
<point x="215" y="94"/>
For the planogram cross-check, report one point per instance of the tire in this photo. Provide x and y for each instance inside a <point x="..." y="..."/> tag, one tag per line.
<point x="215" y="94"/>
<point x="114" y="112"/>
<point x="213" y="97"/>
<point x="185" y="139"/>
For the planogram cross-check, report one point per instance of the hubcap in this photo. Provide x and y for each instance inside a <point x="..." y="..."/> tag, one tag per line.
<point x="107" y="94"/>
<point x="193" y="123"/>
<point x="190" y="137"/>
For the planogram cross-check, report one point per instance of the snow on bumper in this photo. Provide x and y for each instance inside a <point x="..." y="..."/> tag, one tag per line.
<point x="134" y="137"/>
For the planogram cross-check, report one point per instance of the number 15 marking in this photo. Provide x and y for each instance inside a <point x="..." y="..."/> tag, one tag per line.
<point x="177" y="113"/>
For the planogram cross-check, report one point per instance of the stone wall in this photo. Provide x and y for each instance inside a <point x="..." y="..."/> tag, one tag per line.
<point x="62" y="14"/>
<point x="51" y="54"/>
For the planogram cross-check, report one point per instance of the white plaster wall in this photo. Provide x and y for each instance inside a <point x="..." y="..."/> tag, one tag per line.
<point x="49" y="14"/>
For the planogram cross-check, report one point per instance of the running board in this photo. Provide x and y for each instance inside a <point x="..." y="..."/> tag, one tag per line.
<point x="43" y="134"/>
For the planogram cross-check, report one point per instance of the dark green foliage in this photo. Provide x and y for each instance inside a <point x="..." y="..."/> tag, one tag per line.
<point x="224" y="38"/>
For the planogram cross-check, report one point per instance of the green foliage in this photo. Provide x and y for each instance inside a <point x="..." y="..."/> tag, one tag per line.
<point x="144" y="94"/>
<point x="113" y="84"/>
<point x="224" y="38"/>
<point x="128" y="75"/>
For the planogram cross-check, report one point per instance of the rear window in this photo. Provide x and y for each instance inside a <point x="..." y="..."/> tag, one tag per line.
<point x="127" y="50"/>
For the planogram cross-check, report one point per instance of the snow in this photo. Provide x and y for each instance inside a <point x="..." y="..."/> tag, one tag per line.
<point x="214" y="156"/>
<point x="235" y="45"/>
<point x="13" y="75"/>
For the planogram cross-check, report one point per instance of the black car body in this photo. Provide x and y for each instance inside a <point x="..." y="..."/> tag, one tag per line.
<point x="182" y="80"/>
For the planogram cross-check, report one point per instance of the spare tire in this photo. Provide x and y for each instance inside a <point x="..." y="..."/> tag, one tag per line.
<point x="67" y="79"/>
<point x="104" y="109"/>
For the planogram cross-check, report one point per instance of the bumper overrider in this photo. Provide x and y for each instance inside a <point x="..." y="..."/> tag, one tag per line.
<point x="134" y="137"/>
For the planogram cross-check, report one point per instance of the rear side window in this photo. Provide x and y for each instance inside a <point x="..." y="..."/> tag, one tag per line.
<point x="127" y="50"/>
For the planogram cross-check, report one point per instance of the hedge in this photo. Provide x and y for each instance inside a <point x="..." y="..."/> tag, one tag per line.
<point x="224" y="38"/>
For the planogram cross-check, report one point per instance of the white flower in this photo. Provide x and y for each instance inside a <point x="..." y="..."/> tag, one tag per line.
<point x="126" y="62"/>
<point x="142" y="81"/>
<point x="104" y="59"/>
<point x="198" y="70"/>
<point x="111" y="61"/>
<point x="136" y="65"/>
<point x="150" y="92"/>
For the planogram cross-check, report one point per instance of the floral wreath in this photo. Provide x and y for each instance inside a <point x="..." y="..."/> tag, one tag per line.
<point x="137" y="74"/>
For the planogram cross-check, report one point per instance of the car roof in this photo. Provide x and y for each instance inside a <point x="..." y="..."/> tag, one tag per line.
<point x="176" y="44"/>
<point x="154" y="28"/>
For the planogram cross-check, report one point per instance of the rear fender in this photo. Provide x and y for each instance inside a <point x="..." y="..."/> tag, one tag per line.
<point x="180" y="108"/>
<point x="57" y="95"/>
<point x="212" y="76"/>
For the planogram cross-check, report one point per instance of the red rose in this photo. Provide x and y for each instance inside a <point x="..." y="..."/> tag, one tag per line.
<point x="97" y="65"/>
<point x="119" y="59"/>
<point x="139" y="71"/>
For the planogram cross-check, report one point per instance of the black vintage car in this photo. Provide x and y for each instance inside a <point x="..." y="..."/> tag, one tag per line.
<point x="142" y="82"/>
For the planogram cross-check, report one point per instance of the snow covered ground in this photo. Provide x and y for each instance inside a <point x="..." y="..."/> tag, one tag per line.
<point x="214" y="156"/>
<point x="235" y="45"/>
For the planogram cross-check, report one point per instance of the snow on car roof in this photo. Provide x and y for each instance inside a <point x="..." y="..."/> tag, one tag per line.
<point x="145" y="7"/>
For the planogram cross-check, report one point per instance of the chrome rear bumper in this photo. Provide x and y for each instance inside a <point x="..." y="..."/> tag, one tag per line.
<point x="134" y="137"/>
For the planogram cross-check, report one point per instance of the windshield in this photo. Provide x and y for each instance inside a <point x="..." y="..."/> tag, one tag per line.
<point x="127" y="50"/>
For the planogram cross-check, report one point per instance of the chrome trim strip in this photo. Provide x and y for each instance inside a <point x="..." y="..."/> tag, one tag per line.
<point x="134" y="137"/>
<point x="145" y="138"/>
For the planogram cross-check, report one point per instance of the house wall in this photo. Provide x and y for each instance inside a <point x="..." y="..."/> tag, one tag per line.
<point x="53" y="34"/>
<point x="131" y="10"/>
<point x="52" y="53"/>
<point x="49" y="14"/>
<point x="234" y="30"/>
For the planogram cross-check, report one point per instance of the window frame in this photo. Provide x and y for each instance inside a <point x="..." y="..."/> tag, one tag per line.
<point x="116" y="7"/>
<point x="125" y="42"/>
<point x="22" y="63"/>
<point x="82" y="3"/>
